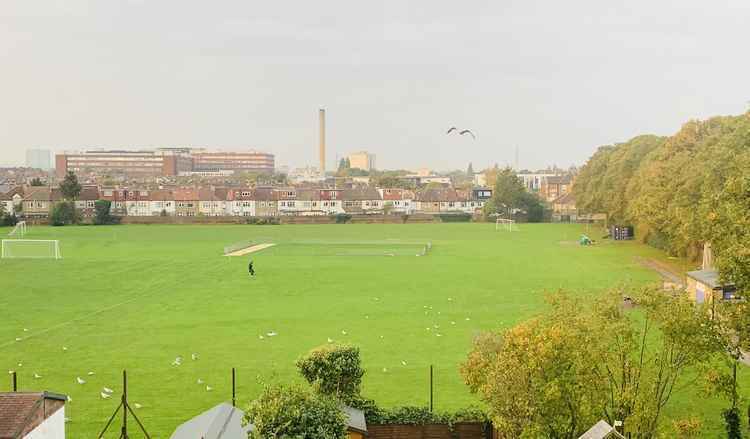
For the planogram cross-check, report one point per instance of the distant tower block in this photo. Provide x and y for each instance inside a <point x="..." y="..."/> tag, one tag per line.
<point x="322" y="140"/>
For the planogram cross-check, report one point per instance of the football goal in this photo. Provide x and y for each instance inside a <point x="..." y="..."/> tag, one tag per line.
<point x="507" y="225"/>
<point x="30" y="248"/>
<point x="19" y="230"/>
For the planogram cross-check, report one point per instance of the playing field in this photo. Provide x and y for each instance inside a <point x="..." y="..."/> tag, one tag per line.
<point x="137" y="297"/>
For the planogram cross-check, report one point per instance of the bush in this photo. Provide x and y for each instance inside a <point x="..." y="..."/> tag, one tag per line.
<point x="8" y="220"/>
<point x="333" y="370"/>
<point x="455" y="217"/>
<point x="343" y="218"/>
<point x="410" y="415"/>
<point x="101" y="213"/>
<point x="262" y="221"/>
<point x="64" y="213"/>
<point x="294" y="412"/>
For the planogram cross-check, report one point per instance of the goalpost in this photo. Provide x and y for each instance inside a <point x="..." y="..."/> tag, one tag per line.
<point x="507" y="225"/>
<point x="19" y="230"/>
<point x="30" y="248"/>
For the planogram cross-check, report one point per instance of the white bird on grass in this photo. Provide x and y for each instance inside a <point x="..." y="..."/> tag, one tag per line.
<point x="137" y="406"/>
<point x="272" y="334"/>
<point x="105" y="395"/>
<point x="453" y="323"/>
<point x="385" y="370"/>
<point x="37" y="376"/>
<point x="91" y="372"/>
<point x="209" y="388"/>
<point x="80" y="380"/>
<point x="107" y="390"/>
<point x="20" y="364"/>
<point x="439" y="335"/>
<point x="10" y="372"/>
<point x="343" y="332"/>
<point x="200" y="381"/>
<point x="330" y="340"/>
<point x="70" y="399"/>
<point x="25" y="330"/>
<point x="261" y="337"/>
<point x="177" y="361"/>
<point x="65" y="348"/>
<point x="467" y="319"/>
<point x="18" y="338"/>
<point x="194" y="356"/>
<point x="403" y="363"/>
<point x="67" y="420"/>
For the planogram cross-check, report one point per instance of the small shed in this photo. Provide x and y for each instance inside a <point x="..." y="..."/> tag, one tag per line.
<point x="704" y="286"/>
<point x="220" y="422"/>
<point x="355" y="425"/>
<point x="601" y="430"/>
<point x="37" y="415"/>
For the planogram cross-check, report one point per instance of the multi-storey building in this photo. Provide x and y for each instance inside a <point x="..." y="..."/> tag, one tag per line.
<point x="250" y="161"/>
<point x="362" y="160"/>
<point x="146" y="163"/>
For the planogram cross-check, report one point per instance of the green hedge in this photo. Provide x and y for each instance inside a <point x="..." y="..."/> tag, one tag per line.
<point x="413" y="415"/>
<point x="455" y="217"/>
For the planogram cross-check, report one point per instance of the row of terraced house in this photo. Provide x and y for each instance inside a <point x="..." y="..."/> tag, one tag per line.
<point x="37" y="202"/>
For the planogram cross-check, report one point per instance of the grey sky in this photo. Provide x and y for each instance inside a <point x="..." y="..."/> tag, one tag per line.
<point x="555" y="78"/>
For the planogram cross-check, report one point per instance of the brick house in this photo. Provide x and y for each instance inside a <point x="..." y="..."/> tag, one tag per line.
<point x="186" y="202"/>
<point x="266" y="202"/>
<point x="331" y="202"/>
<point x="161" y="202"/>
<point x="365" y="200"/>
<point x="398" y="200"/>
<point x="555" y="186"/>
<point x="564" y="208"/>
<point x="12" y="199"/>
<point x="209" y="204"/>
<point x="86" y="201"/>
<point x="240" y="202"/>
<point x="38" y="201"/>
<point x="38" y="415"/>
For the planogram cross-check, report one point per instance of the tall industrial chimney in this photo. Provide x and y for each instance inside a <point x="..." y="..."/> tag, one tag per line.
<point x="322" y="140"/>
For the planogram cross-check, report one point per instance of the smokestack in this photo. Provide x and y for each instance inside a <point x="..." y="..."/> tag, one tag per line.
<point x="322" y="140"/>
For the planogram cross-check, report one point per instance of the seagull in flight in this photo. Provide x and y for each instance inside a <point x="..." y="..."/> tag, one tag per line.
<point x="461" y="132"/>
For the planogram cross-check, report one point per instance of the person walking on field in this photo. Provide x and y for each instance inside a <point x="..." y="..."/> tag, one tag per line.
<point x="250" y="268"/>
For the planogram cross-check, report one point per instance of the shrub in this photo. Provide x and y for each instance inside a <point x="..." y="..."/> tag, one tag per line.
<point x="455" y="217"/>
<point x="343" y="218"/>
<point x="262" y="221"/>
<point x="64" y="213"/>
<point x="333" y="370"/>
<point x="294" y="412"/>
<point x="101" y="213"/>
<point x="411" y="415"/>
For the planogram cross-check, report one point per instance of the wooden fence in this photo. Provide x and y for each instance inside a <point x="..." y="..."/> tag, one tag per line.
<point x="461" y="430"/>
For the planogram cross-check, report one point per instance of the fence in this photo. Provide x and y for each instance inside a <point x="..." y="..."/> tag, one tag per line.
<point x="460" y="430"/>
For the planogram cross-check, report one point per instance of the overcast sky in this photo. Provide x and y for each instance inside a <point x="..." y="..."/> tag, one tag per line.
<point x="554" y="78"/>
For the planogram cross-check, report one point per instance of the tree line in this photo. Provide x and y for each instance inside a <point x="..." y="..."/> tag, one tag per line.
<point x="680" y="191"/>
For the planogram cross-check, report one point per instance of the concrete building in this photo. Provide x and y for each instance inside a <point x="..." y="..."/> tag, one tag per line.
<point x="38" y="159"/>
<point x="145" y="163"/>
<point x="246" y="161"/>
<point x="362" y="160"/>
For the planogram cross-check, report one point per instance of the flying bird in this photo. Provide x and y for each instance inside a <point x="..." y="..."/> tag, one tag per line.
<point x="468" y="132"/>
<point x="80" y="380"/>
<point x="451" y="129"/>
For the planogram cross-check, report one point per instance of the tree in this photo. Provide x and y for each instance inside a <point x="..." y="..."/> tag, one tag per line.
<point x="70" y="187"/>
<point x="470" y="171"/>
<point x="294" y="412"/>
<point x="554" y="375"/>
<point x="36" y="181"/>
<point x="507" y="194"/>
<point x="63" y="213"/>
<point x="333" y="370"/>
<point x="102" y="212"/>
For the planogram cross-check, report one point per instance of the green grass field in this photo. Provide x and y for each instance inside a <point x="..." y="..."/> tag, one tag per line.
<point x="136" y="297"/>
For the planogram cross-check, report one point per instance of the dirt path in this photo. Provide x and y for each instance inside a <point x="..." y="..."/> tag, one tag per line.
<point x="664" y="270"/>
<point x="253" y="249"/>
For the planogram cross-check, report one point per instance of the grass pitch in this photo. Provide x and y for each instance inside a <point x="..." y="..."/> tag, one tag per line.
<point x="137" y="297"/>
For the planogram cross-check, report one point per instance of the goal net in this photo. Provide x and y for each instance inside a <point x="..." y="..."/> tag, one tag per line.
<point x="507" y="225"/>
<point x="19" y="230"/>
<point x="30" y="248"/>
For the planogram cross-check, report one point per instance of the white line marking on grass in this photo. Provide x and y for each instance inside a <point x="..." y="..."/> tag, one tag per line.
<point x="253" y="249"/>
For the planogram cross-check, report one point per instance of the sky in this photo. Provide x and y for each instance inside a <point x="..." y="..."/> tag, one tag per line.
<point x="552" y="79"/>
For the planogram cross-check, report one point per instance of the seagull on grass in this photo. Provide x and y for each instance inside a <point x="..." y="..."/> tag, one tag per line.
<point x="200" y="381"/>
<point x="80" y="380"/>
<point x="137" y="406"/>
<point x="272" y="334"/>
<point x="108" y="390"/>
<point x="194" y="356"/>
<point x="209" y="388"/>
<point x="105" y="395"/>
<point x="37" y="376"/>
<point x="343" y="332"/>
<point x="330" y="340"/>
<point x="91" y="373"/>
